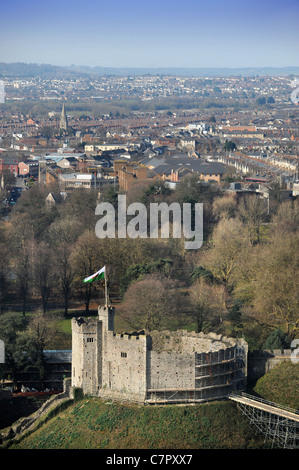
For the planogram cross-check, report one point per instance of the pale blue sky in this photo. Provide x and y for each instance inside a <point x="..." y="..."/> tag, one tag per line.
<point x="156" y="33"/>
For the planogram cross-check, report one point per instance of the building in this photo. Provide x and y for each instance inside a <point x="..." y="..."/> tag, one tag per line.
<point x="57" y="367"/>
<point x="8" y="164"/>
<point x="63" y="120"/>
<point x="159" y="367"/>
<point x="105" y="147"/>
<point x="295" y="191"/>
<point x="188" y="142"/>
<point x="68" y="162"/>
<point x="76" y="180"/>
<point x="129" y="173"/>
<point x="173" y="168"/>
<point x="55" y="198"/>
<point x="212" y="172"/>
<point x="70" y="181"/>
<point x="29" y="168"/>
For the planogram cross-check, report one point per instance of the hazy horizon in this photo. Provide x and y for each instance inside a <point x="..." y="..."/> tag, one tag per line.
<point x="155" y="34"/>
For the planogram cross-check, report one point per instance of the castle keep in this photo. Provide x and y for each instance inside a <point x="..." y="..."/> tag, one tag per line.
<point x="159" y="367"/>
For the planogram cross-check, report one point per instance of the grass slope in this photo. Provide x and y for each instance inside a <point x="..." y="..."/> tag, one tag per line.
<point x="94" y="424"/>
<point x="280" y="385"/>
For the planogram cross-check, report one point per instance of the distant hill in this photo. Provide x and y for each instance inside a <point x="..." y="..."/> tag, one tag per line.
<point x="22" y="70"/>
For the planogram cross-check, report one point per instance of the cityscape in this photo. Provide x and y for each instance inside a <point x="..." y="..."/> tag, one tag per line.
<point x="116" y="331"/>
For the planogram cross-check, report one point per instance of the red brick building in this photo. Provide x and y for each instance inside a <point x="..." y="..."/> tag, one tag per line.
<point x="9" y="165"/>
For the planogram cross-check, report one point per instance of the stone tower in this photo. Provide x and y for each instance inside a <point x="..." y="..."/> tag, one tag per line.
<point x="89" y="336"/>
<point x="63" y="120"/>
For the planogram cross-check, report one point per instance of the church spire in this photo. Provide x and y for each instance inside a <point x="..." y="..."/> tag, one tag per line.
<point x="63" y="120"/>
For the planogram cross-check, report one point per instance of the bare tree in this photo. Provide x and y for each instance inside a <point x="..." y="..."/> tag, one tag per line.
<point x="276" y="285"/>
<point x="208" y="303"/>
<point x="23" y="271"/>
<point x="286" y="220"/>
<point x="84" y="262"/>
<point x="229" y="240"/>
<point x="65" y="273"/>
<point x="44" y="272"/>
<point x="224" y="207"/>
<point x="253" y="211"/>
<point x="4" y="271"/>
<point x="150" y="303"/>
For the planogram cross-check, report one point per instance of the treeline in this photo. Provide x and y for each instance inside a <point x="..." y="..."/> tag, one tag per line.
<point x="242" y="281"/>
<point x="123" y="106"/>
<point x="243" y="278"/>
<point x="47" y="250"/>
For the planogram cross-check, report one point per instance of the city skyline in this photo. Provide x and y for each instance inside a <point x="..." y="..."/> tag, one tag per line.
<point x="151" y="34"/>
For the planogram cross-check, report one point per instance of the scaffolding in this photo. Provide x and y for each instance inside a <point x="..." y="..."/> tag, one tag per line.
<point x="217" y="374"/>
<point x="279" y="424"/>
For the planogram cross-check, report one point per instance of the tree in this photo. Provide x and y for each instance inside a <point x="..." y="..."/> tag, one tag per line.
<point x="201" y="272"/>
<point x="277" y="340"/>
<point x="39" y="335"/>
<point x="260" y="101"/>
<point x="137" y="271"/>
<point x="234" y="313"/>
<point x="224" y="207"/>
<point x="253" y="211"/>
<point x="80" y="206"/>
<point x="229" y="242"/>
<point x="44" y="272"/>
<point x="230" y="146"/>
<point x="85" y="260"/>
<point x="208" y="304"/>
<point x="151" y="303"/>
<point x="276" y="285"/>
<point x="22" y="268"/>
<point x="30" y="213"/>
<point x="4" y="271"/>
<point x="10" y="327"/>
<point x="48" y="132"/>
<point x="65" y="274"/>
<point x="8" y="179"/>
<point x="286" y="220"/>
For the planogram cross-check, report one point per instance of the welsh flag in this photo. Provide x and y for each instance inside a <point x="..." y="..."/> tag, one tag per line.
<point x="96" y="276"/>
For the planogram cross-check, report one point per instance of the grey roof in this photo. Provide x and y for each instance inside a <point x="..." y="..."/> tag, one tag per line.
<point x="59" y="355"/>
<point x="175" y="162"/>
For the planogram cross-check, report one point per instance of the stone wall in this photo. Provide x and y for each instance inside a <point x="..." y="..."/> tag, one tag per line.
<point x="29" y="423"/>
<point x="124" y="364"/>
<point x="260" y="362"/>
<point x="171" y="370"/>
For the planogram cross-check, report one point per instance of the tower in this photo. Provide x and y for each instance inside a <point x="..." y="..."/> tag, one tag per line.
<point x="89" y="349"/>
<point x="63" y="120"/>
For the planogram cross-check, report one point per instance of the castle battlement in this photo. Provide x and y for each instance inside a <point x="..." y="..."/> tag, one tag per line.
<point x="128" y="336"/>
<point x="154" y="367"/>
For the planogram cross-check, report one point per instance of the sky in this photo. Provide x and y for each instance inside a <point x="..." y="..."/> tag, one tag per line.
<point x="151" y="33"/>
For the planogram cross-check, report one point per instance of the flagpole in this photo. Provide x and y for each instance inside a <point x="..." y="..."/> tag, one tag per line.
<point x="106" y="290"/>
